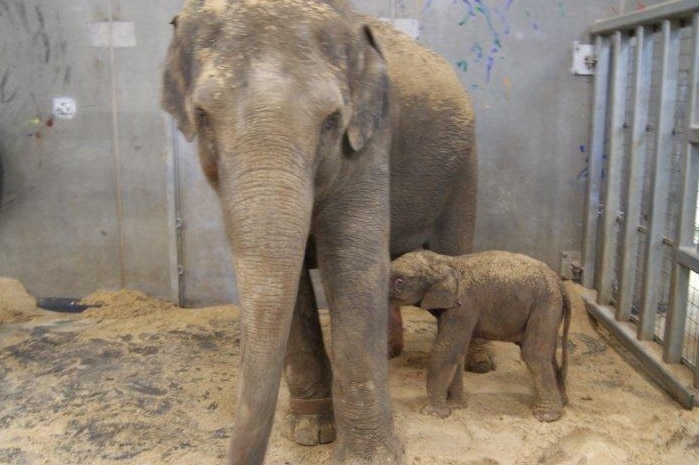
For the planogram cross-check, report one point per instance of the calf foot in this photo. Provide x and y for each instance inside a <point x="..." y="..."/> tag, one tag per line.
<point x="546" y="412"/>
<point x="310" y="422"/>
<point x="441" y="411"/>
<point x="456" y="402"/>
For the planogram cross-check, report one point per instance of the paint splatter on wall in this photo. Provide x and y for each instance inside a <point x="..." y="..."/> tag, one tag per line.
<point x="495" y="15"/>
<point x="486" y="53"/>
<point x="488" y="26"/>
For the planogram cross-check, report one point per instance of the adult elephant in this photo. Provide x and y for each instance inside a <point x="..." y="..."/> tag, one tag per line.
<point x="305" y="114"/>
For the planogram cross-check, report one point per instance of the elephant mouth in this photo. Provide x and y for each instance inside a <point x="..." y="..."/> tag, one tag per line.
<point x="401" y="302"/>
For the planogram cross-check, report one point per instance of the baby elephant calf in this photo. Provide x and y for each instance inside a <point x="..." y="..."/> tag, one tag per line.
<point x="494" y="295"/>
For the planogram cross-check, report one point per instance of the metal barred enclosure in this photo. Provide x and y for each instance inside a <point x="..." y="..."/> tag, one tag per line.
<point x="641" y="244"/>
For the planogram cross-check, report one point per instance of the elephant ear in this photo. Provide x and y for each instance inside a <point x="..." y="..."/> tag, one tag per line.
<point x="369" y="89"/>
<point x="177" y="84"/>
<point x="444" y="293"/>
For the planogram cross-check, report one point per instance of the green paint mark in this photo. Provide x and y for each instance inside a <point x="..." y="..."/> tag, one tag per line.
<point x="462" y="65"/>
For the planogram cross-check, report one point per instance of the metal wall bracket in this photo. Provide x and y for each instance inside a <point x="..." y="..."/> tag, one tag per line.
<point x="584" y="59"/>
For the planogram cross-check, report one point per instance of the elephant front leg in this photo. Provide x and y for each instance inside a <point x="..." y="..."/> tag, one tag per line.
<point x="354" y="264"/>
<point x="455" y="394"/>
<point x="308" y="374"/>
<point x="395" y="331"/>
<point x="445" y="369"/>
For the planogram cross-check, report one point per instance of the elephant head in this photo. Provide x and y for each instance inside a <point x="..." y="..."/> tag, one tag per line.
<point x="280" y="94"/>
<point x="425" y="279"/>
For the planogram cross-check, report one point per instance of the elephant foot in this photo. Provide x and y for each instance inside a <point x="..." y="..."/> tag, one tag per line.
<point x="456" y="402"/>
<point x="437" y="411"/>
<point x="479" y="358"/>
<point x="395" y="332"/>
<point x="546" y="412"/>
<point x="389" y="453"/>
<point x="564" y="398"/>
<point x="310" y="422"/>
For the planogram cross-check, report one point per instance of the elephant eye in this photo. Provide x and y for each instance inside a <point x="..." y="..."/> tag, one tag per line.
<point x="331" y="123"/>
<point x="202" y="116"/>
<point x="398" y="282"/>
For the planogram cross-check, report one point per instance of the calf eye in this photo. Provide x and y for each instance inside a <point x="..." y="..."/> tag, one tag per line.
<point x="398" y="282"/>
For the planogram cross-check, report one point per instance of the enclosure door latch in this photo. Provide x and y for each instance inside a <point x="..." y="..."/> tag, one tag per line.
<point x="584" y="59"/>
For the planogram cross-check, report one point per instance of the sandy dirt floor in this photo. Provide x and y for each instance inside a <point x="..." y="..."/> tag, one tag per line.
<point x="140" y="381"/>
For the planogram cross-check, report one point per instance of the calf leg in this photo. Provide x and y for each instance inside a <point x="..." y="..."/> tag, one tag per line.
<point x="455" y="393"/>
<point x="395" y="331"/>
<point x="445" y="369"/>
<point x="539" y="354"/>
<point x="454" y="236"/>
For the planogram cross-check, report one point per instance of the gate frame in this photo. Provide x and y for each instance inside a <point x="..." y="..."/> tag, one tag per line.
<point x="603" y="213"/>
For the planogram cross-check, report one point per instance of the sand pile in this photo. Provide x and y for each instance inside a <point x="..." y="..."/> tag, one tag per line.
<point x="16" y="304"/>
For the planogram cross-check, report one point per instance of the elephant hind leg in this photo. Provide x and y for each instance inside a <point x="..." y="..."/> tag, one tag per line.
<point x="539" y="354"/>
<point x="308" y="374"/>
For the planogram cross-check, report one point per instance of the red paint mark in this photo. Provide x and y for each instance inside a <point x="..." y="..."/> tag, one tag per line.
<point x="615" y="10"/>
<point x="49" y="123"/>
<point x="640" y="5"/>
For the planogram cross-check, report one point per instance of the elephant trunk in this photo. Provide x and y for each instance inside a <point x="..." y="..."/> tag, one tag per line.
<point x="267" y="203"/>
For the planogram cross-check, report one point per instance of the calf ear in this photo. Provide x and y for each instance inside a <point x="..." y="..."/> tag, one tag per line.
<point x="369" y="90"/>
<point x="444" y="293"/>
<point x="177" y="84"/>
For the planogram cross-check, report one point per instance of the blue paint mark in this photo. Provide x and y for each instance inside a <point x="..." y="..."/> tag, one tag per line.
<point x="498" y="25"/>
<point x="534" y="24"/>
<point x="477" y="51"/>
<point x="582" y="148"/>
<point x="583" y="174"/>
<point x="489" y="67"/>
<point x="503" y="19"/>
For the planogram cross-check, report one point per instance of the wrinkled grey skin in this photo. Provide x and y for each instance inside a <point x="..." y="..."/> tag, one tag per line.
<point x="304" y="114"/>
<point x="495" y="296"/>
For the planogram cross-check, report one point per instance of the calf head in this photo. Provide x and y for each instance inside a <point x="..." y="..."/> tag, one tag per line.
<point x="424" y="279"/>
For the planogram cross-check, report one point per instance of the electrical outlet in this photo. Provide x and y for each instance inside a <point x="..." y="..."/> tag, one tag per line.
<point x="64" y="107"/>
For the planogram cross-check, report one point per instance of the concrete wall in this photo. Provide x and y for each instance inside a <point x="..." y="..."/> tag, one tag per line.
<point x="90" y="202"/>
<point x="86" y="203"/>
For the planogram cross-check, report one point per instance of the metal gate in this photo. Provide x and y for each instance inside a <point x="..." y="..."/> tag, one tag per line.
<point x="641" y="245"/>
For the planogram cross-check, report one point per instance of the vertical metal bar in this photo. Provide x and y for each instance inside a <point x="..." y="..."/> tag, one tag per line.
<point x="595" y="161"/>
<point x="637" y="161"/>
<point x="612" y="179"/>
<point x="660" y="181"/>
<point x="677" y="316"/>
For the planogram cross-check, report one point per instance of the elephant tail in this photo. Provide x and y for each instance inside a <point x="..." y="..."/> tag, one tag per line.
<point x="567" y="316"/>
